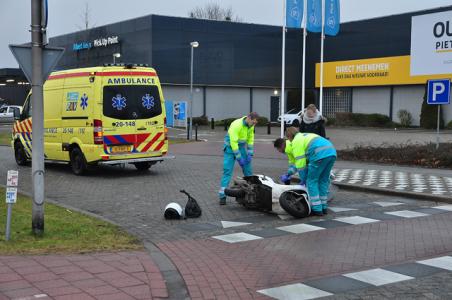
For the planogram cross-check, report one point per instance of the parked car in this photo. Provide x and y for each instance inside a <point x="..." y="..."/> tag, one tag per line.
<point x="10" y="113"/>
<point x="292" y="119"/>
<point x="3" y="102"/>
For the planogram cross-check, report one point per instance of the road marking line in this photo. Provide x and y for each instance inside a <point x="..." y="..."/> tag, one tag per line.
<point x="356" y="220"/>
<point x="237" y="237"/>
<point x="296" y="291"/>
<point x="444" y="262"/>
<point x="300" y="228"/>
<point x="406" y="214"/>
<point x="378" y="277"/>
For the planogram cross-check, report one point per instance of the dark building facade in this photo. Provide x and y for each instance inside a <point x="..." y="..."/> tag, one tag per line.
<point x="237" y="66"/>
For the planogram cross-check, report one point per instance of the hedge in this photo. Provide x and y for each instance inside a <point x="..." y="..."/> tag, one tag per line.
<point x="358" y="119"/>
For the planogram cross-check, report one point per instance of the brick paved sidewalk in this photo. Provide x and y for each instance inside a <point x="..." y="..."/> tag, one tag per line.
<point x="122" y="276"/>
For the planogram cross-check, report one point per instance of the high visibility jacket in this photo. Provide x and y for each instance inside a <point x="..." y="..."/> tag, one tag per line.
<point x="310" y="147"/>
<point x="288" y="150"/>
<point x="240" y="134"/>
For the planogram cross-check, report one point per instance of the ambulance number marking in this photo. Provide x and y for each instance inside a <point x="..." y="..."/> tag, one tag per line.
<point x="68" y="130"/>
<point x="123" y="124"/>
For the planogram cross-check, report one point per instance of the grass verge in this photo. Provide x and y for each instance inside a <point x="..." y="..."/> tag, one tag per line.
<point x="66" y="231"/>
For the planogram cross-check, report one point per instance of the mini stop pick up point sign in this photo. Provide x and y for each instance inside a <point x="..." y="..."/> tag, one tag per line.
<point x="13" y="178"/>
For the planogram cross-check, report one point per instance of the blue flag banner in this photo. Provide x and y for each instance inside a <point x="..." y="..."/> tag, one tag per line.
<point x="314" y="15"/>
<point x="332" y="17"/>
<point x="294" y="13"/>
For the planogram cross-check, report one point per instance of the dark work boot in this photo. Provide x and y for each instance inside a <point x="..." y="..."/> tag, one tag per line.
<point x="325" y="211"/>
<point x="222" y="197"/>
<point x="317" y="213"/>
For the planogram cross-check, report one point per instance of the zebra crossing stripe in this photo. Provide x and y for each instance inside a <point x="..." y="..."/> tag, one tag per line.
<point x="378" y="277"/>
<point x="328" y="286"/>
<point x="406" y="214"/>
<point x="300" y="228"/>
<point x="305" y="228"/>
<point x="296" y="291"/>
<point x="444" y="262"/>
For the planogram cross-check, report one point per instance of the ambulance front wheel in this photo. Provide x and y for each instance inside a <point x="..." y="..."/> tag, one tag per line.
<point x="78" y="162"/>
<point x="143" y="165"/>
<point x="19" y="154"/>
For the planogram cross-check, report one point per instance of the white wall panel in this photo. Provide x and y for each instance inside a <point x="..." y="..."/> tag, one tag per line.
<point x="409" y="98"/>
<point x="182" y="93"/>
<point x="371" y="100"/>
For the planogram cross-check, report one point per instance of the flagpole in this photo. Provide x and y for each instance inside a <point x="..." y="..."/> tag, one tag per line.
<point x="283" y="69"/>
<point x="305" y="33"/>
<point x="322" y="38"/>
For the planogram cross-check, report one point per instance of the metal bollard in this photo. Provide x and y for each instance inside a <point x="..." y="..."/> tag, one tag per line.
<point x="212" y="124"/>
<point x="269" y="128"/>
<point x="196" y="131"/>
<point x="188" y="130"/>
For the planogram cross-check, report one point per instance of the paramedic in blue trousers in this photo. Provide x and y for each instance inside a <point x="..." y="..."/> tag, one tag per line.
<point x="238" y="146"/>
<point x="314" y="159"/>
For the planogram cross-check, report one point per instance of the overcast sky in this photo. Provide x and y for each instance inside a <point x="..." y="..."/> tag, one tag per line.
<point x="65" y="16"/>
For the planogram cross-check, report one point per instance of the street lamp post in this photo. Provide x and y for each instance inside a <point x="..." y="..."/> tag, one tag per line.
<point x="193" y="45"/>
<point x="116" y="55"/>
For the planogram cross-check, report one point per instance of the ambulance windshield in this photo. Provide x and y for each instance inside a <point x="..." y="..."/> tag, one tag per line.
<point x="125" y="102"/>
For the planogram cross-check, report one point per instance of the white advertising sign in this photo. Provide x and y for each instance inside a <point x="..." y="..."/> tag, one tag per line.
<point x="431" y="44"/>
<point x="180" y="114"/>
<point x="13" y="178"/>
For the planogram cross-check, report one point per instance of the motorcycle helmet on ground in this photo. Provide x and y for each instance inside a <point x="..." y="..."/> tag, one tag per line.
<point x="174" y="211"/>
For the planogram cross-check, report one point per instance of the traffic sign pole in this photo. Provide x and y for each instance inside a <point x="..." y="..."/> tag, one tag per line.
<point x="437" y="128"/>
<point x="8" y="221"/>
<point x="38" y="119"/>
<point x="438" y="92"/>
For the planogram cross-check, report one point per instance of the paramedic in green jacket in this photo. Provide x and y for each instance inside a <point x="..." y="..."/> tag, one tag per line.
<point x="287" y="150"/>
<point x="314" y="160"/>
<point x="238" y="146"/>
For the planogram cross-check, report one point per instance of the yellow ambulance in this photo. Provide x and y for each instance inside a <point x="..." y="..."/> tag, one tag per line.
<point x="113" y="114"/>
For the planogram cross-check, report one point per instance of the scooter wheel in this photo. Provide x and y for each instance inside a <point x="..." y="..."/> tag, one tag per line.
<point x="234" y="192"/>
<point x="295" y="204"/>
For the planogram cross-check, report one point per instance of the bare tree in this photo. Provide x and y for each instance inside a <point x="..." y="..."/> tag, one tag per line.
<point x="213" y="11"/>
<point x="86" y="17"/>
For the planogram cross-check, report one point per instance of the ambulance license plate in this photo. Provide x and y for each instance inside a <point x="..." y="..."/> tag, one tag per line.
<point x="121" y="149"/>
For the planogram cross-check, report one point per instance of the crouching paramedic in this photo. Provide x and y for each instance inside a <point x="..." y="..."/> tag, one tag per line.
<point x="285" y="146"/>
<point x="314" y="159"/>
<point x="238" y="146"/>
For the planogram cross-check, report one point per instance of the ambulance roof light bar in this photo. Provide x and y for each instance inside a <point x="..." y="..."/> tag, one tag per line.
<point x="128" y="66"/>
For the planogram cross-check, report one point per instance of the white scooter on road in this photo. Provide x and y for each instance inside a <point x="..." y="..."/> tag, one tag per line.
<point x="262" y="193"/>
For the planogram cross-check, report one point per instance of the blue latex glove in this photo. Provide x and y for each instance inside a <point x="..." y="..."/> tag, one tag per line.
<point x="249" y="158"/>
<point x="250" y="152"/>
<point x="284" y="178"/>
<point x="242" y="161"/>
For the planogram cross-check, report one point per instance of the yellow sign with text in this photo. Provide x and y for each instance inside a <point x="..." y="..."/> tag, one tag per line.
<point x="393" y="70"/>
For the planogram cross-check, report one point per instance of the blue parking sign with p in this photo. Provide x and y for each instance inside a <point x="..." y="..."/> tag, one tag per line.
<point x="438" y="91"/>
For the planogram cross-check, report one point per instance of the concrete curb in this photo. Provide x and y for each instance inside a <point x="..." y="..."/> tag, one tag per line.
<point x="175" y="283"/>
<point x="392" y="192"/>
